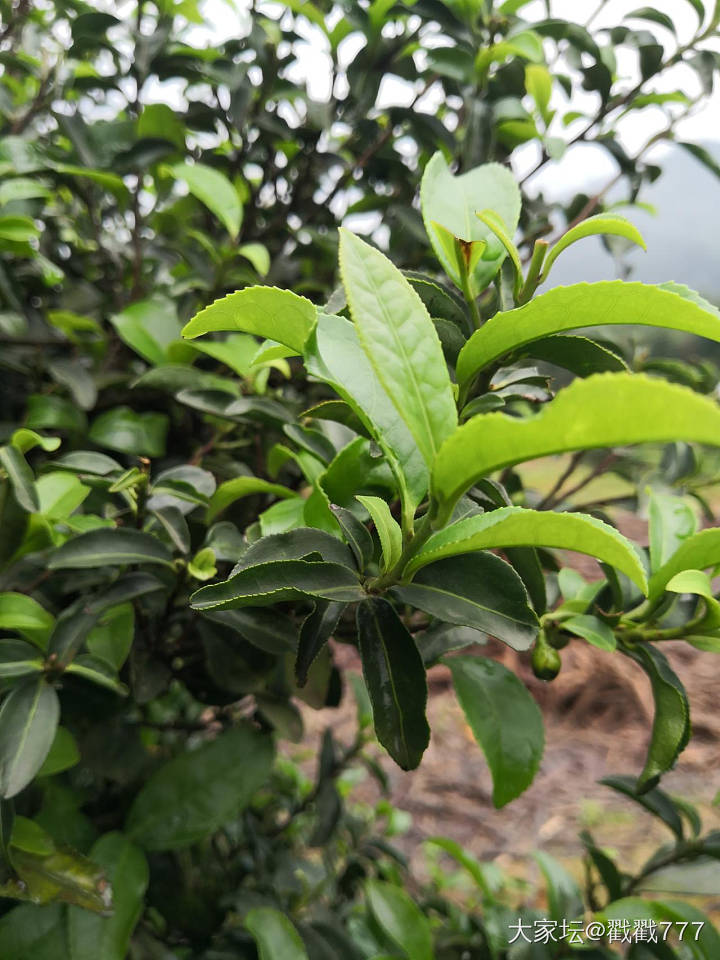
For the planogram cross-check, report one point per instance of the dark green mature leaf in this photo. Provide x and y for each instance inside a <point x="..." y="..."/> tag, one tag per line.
<point x="356" y="535"/>
<point x="278" y="581"/>
<point x="400" y="919"/>
<point x="267" y="630"/>
<point x="334" y="355"/>
<point x="395" y="678"/>
<point x="609" y="409"/>
<point x="505" y="721"/>
<point x="580" y="355"/>
<point x="564" y="896"/>
<point x="21" y="478"/>
<point x="193" y="795"/>
<point x="71" y="628"/>
<point x="476" y="590"/>
<point x="655" y="800"/>
<point x="398" y="336"/>
<point x="109" y="547"/>
<point x="91" y="936"/>
<point x="294" y="545"/>
<point x="453" y="201"/>
<point x="517" y="526"/>
<point x="587" y="305"/>
<point x="97" y="671"/>
<point x="63" y="754"/>
<point x="29" y="931"/>
<point x="28" y="719"/>
<point x="265" y="311"/>
<point x="671" y="725"/>
<point x="315" y="632"/>
<point x="275" y="935"/>
<point x="18" y="658"/>
<point x="129" y="432"/>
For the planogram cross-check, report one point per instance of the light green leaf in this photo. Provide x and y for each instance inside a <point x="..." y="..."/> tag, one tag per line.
<point x="212" y="188"/>
<point x="109" y="547"/>
<point x="669" y="306"/>
<point x="604" y="223"/>
<point x="606" y="410"/>
<point x="25" y="440"/>
<point x="193" y="795"/>
<point x="505" y="721"/>
<point x="671" y="521"/>
<point x="453" y="201"/>
<point x="698" y="552"/>
<point x="237" y="351"/>
<point x="22" y="613"/>
<point x="148" y="327"/>
<point x="399" y="338"/>
<point x="278" y="581"/>
<point x="264" y="311"/>
<point x="395" y="678"/>
<point x="232" y="490"/>
<point x="158" y="121"/>
<point x="60" y="494"/>
<point x="592" y="629"/>
<point x="276" y="937"/>
<point x="18" y="229"/>
<point x="257" y="254"/>
<point x="21" y="478"/>
<point x="493" y="222"/>
<point x="91" y="936"/>
<point x="517" y="526"/>
<point x="335" y="356"/>
<point x="387" y="528"/>
<point x="400" y="919"/>
<point x="202" y="565"/>
<point x="28" y="719"/>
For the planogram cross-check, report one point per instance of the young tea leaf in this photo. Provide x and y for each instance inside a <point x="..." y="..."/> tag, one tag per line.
<point x="606" y="410"/>
<point x="400" y="341"/>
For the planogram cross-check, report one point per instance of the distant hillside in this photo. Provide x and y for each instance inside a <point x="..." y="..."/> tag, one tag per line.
<point x="683" y="239"/>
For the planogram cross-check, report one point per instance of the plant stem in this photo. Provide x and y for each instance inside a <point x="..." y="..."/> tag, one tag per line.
<point x="410" y="549"/>
<point x="467" y="294"/>
<point x="533" y="275"/>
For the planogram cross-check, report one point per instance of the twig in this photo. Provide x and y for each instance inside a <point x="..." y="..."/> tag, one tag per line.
<point x="548" y="499"/>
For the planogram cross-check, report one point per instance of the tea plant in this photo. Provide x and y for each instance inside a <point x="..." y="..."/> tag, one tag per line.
<point x="397" y="522"/>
